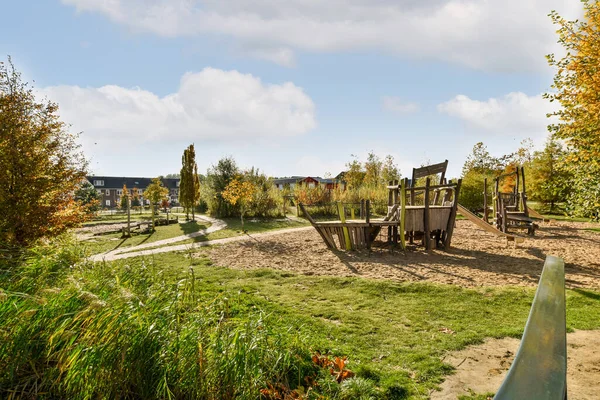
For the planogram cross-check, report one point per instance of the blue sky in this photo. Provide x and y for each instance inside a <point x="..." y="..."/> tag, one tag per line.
<point x="292" y="87"/>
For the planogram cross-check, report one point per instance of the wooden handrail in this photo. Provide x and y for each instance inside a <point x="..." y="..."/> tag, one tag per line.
<point x="539" y="370"/>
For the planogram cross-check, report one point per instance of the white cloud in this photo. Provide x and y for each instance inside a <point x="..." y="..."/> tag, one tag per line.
<point x="211" y="104"/>
<point x="282" y="56"/>
<point x="515" y="113"/>
<point x="396" y="105"/>
<point x="509" y="35"/>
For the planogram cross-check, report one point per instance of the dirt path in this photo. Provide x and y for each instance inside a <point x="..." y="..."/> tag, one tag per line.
<point x="482" y="368"/>
<point x="477" y="257"/>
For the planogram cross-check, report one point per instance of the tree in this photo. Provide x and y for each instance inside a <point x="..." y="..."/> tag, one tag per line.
<point x="135" y="198"/>
<point x="87" y="195"/>
<point x="389" y="171"/>
<point x="240" y="193"/>
<point x="576" y="87"/>
<point x="548" y="179"/>
<point x="217" y="178"/>
<point x="355" y="174"/>
<point x="189" y="183"/>
<point x="373" y="167"/>
<point x="124" y="198"/>
<point x="40" y="163"/>
<point x="155" y="193"/>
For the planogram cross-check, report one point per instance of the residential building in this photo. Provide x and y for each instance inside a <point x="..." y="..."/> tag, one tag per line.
<point x="111" y="188"/>
<point x="309" y="181"/>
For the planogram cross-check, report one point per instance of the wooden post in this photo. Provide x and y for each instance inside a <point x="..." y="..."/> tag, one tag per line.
<point x="402" y="214"/>
<point x="485" y="203"/>
<point x="128" y="216"/>
<point x="342" y="213"/>
<point x="452" y="218"/>
<point x="368" y="220"/>
<point x="426" y="233"/>
<point x="524" y="194"/>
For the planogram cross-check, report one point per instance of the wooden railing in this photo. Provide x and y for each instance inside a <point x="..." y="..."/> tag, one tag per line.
<point x="539" y="370"/>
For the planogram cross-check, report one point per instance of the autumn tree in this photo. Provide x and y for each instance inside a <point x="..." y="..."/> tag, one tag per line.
<point x="217" y="179"/>
<point x="135" y="197"/>
<point x="576" y="87"/>
<point x="189" y="183"/>
<point x="40" y="163"/>
<point x="389" y="170"/>
<point x="155" y="193"/>
<point x="124" y="203"/>
<point x="239" y="193"/>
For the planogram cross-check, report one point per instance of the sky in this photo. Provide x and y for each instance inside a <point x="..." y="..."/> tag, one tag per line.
<point x="291" y="87"/>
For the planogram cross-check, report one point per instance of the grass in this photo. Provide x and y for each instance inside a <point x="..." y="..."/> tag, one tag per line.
<point x="103" y="243"/>
<point x="234" y="228"/>
<point x="119" y="217"/>
<point x="171" y="326"/>
<point x="395" y="334"/>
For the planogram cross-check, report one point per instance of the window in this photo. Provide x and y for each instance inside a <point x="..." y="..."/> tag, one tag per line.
<point x="177" y="183"/>
<point x="98" y="183"/>
<point x="311" y="185"/>
<point x="107" y="192"/>
<point x="119" y="192"/>
<point x="108" y="203"/>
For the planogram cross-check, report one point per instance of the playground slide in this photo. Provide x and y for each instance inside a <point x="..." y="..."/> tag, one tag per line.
<point x="535" y="214"/>
<point x="481" y="223"/>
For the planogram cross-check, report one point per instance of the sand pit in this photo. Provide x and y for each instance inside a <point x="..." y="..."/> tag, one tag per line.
<point x="477" y="258"/>
<point x="481" y="369"/>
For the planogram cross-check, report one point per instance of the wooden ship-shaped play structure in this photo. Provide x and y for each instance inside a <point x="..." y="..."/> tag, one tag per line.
<point x="426" y="213"/>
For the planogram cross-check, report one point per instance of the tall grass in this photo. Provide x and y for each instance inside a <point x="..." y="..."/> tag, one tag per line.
<point x="70" y="329"/>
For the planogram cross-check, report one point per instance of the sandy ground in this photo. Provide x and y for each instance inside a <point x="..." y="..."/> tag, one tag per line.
<point x="477" y="257"/>
<point x="482" y="368"/>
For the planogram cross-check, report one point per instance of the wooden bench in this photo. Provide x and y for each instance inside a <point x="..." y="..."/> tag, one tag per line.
<point x="539" y="370"/>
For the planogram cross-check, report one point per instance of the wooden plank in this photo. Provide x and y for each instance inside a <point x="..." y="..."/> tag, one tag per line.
<point x="426" y="233"/>
<point x="342" y="213"/>
<point x="481" y="223"/>
<point x="402" y="215"/>
<point x="312" y="221"/>
<point x="539" y="370"/>
<point x="430" y="170"/>
<point x="452" y="218"/>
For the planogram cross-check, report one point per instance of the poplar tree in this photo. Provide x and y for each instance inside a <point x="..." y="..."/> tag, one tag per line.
<point x="189" y="183"/>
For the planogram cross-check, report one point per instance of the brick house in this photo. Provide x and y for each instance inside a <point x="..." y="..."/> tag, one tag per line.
<point x="111" y="188"/>
<point x="311" y="182"/>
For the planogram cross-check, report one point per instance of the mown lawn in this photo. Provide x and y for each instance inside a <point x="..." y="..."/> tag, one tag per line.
<point x="393" y="333"/>
<point x="102" y="243"/>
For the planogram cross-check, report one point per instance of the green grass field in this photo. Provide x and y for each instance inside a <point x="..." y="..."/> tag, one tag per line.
<point x="102" y="243"/>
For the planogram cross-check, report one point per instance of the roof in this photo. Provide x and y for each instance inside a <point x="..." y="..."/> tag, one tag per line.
<point x="115" y="182"/>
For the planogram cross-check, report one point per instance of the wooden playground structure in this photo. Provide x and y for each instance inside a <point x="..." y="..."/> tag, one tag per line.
<point x="509" y="209"/>
<point x="428" y="213"/>
<point x="425" y="213"/>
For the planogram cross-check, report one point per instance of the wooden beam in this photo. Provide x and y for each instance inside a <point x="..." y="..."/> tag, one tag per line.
<point x="452" y="217"/>
<point x="426" y="233"/>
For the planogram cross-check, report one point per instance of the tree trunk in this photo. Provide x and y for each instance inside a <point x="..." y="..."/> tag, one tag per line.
<point x="152" y="211"/>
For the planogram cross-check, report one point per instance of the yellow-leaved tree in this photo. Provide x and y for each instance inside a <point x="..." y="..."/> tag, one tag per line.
<point x="239" y="192"/>
<point x="41" y="167"/>
<point x="155" y="193"/>
<point x="577" y="88"/>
